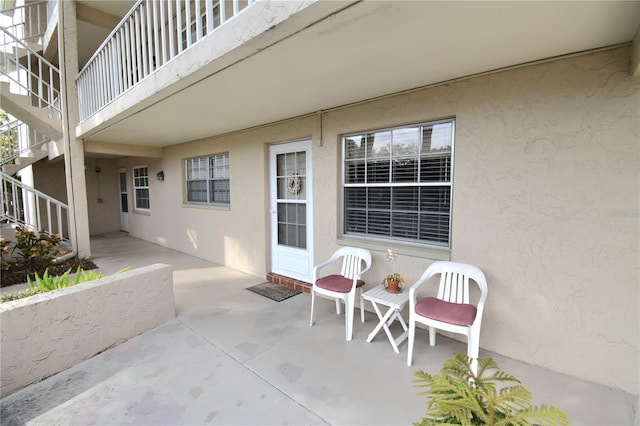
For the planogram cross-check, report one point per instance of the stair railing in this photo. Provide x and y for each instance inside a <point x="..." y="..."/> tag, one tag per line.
<point x="28" y="22"/>
<point x="18" y="139"/>
<point x="153" y="33"/>
<point x="29" y="207"/>
<point x="37" y="77"/>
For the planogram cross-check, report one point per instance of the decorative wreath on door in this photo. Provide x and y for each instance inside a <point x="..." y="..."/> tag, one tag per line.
<point x="294" y="184"/>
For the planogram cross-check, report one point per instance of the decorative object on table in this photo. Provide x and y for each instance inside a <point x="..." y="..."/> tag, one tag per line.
<point x="458" y="396"/>
<point x="393" y="282"/>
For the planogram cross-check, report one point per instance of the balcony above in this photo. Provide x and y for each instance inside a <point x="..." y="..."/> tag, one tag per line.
<point x="280" y="59"/>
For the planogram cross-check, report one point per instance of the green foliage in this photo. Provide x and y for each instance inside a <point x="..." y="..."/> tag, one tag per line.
<point x="8" y="297"/>
<point x="36" y="249"/>
<point x="4" y="253"/>
<point x="48" y="282"/>
<point x="125" y="269"/>
<point x="8" y="139"/>
<point x="456" y="396"/>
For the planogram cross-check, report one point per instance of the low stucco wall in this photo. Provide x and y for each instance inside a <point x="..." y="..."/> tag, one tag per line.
<point x="48" y="333"/>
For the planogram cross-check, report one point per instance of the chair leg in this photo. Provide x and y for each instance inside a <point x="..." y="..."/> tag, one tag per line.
<point x="313" y="299"/>
<point x="412" y="335"/>
<point x="361" y="306"/>
<point x="338" y="307"/>
<point x="473" y="349"/>
<point x="348" y="318"/>
<point x="432" y="336"/>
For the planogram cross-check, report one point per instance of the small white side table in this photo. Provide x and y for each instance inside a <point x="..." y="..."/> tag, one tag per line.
<point x="396" y="302"/>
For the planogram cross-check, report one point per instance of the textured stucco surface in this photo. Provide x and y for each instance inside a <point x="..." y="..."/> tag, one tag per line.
<point x="47" y="333"/>
<point x="546" y="203"/>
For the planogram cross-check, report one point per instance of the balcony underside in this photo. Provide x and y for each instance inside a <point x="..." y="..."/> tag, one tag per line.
<point x="272" y="62"/>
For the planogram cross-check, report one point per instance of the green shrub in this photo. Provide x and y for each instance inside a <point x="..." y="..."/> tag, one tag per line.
<point x="8" y="297"/>
<point x="456" y="396"/>
<point x="4" y="253"/>
<point x="36" y="249"/>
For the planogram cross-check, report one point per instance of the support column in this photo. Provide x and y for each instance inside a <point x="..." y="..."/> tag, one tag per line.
<point x="73" y="147"/>
<point x="634" y="65"/>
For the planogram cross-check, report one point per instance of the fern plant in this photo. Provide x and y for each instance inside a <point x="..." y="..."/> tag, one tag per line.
<point x="456" y="396"/>
<point x="48" y="282"/>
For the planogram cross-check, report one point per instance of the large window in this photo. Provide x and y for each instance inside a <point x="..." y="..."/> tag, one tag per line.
<point x="141" y="187"/>
<point x="397" y="183"/>
<point x="208" y="179"/>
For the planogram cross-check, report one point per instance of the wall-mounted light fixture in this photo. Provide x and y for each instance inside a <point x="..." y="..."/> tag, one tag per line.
<point x="160" y="175"/>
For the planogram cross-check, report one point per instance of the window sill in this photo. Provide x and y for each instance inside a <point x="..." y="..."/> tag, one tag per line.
<point x="142" y="212"/>
<point x="426" y="252"/>
<point x="219" y="207"/>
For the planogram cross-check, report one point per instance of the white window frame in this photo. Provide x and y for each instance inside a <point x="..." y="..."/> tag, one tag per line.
<point x="138" y="184"/>
<point x="213" y="168"/>
<point x="355" y="207"/>
<point x="203" y="18"/>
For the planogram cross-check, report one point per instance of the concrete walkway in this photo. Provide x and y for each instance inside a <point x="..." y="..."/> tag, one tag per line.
<point x="236" y="358"/>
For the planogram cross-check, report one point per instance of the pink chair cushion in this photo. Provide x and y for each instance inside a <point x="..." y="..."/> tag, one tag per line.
<point x="337" y="283"/>
<point x="452" y="313"/>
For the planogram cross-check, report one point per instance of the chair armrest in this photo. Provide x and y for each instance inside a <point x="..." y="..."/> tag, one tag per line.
<point x="319" y="266"/>
<point x="364" y="270"/>
<point x="414" y="288"/>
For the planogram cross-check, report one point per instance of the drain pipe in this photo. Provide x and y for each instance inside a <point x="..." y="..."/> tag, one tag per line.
<point x="67" y="256"/>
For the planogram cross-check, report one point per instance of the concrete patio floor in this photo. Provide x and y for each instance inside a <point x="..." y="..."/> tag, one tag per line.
<point x="234" y="357"/>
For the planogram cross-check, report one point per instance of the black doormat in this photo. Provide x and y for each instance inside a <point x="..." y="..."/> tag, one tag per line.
<point x="274" y="291"/>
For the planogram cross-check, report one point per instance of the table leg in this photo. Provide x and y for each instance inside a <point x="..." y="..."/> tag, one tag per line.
<point x="381" y="323"/>
<point x="404" y="335"/>
<point x="388" y="318"/>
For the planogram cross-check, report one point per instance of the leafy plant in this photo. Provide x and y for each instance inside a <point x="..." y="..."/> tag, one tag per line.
<point x="49" y="283"/>
<point x="36" y="249"/>
<point x="394" y="277"/>
<point x="456" y="396"/>
<point x="8" y="139"/>
<point x="4" y="253"/>
<point x="8" y="297"/>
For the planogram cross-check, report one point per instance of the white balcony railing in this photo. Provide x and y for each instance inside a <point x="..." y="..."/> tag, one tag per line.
<point x="28" y="22"/>
<point x="18" y="139"/>
<point x="153" y="33"/>
<point x="34" y="76"/>
<point x="29" y="207"/>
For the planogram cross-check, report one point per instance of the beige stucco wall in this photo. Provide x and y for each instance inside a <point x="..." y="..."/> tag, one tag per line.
<point x="546" y="202"/>
<point x="103" y="195"/>
<point x="50" y="332"/>
<point x="103" y="216"/>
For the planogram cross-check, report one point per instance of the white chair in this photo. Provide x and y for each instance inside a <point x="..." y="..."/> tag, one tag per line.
<point x="343" y="287"/>
<point x="450" y="310"/>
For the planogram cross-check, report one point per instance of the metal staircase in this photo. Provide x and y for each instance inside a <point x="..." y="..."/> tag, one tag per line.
<point x="29" y="93"/>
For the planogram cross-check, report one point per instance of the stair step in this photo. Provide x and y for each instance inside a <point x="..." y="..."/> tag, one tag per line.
<point x="24" y="160"/>
<point x="22" y="52"/>
<point x="20" y="107"/>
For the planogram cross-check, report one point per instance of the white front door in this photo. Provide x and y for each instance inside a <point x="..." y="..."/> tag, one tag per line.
<point x="124" y="201"/>
<point x="291" y="208"/>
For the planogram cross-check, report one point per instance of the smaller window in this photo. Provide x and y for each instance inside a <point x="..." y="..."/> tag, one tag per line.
<point x="207" y="179"/>
<point x="194" y="31"/>
<point x="141" y="187"/>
